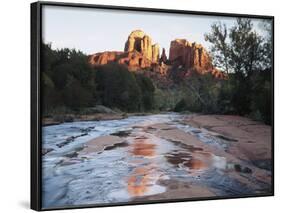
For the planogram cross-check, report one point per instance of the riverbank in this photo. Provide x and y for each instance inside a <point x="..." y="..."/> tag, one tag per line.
<point x="66" y="118"/>
<point x="55" y="120"/>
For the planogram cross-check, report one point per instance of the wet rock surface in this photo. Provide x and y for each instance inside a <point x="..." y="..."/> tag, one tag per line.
<point x="142" y="158"/>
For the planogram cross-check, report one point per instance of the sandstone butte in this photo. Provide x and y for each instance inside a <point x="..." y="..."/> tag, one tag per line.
<point x="140" y="53"/>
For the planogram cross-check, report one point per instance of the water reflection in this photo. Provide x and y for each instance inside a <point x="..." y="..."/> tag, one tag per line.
<point x="122" y="172"/>
<point x="194" y="161"/>
<point x="195" y="164"/>
<point x="142" y="180"/>
<point x="142" y="146"/>
<point x="138" y="181"/>
<point x="148" y="154"/>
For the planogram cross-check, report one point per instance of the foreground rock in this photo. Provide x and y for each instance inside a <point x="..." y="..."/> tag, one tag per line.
<point x="249" y="140"/>
<point x="99" y="144"/>
<point x="180" y="190"/>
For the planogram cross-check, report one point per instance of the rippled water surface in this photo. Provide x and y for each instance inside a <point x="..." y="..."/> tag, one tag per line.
<point x="128" y="170"/>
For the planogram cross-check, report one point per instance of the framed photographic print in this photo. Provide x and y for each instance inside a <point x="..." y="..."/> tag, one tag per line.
<point x="141" y="105"/>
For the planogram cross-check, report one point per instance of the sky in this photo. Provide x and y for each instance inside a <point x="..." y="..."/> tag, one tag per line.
<point x="97" y="30"/>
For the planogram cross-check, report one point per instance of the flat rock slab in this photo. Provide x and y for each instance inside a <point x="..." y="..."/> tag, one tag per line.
<point x="252" y="138"/>
<point x="99" y="144"/>
<point x="180" y="190"/>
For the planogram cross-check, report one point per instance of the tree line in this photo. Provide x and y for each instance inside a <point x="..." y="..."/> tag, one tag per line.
<point x="70" y="84"/>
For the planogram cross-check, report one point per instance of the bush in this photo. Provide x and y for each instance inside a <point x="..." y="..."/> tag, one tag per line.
<point x="181" y="106"/>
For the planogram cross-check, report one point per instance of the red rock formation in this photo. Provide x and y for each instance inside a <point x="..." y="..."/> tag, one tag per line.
<point x="139" y="53"/>
<point x="104" y="57"/>
<point x="192" y="57"/>
<point x="155" y="53"/>
<point x="133" y="59"/>
<point x="135" y="41"/>
<point x="142" y="43"/>
<point x="189" y="55"/>
<point x="163" y="58"/>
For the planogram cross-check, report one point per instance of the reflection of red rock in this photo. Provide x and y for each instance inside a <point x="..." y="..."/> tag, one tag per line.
<point x="196" y="164"/>
<point x="142" y="147"/>
<point x="200" y="160"/>
<point x="138" y="181"/>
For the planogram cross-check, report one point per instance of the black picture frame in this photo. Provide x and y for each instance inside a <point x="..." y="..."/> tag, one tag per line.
<point x="36" y="38"/>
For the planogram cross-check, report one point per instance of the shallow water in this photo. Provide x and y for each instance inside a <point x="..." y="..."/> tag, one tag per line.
<point x="129" y="170"/>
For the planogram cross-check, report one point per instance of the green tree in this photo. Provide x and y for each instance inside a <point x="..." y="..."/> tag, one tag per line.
<point x="249" y="60"/>
<point x="117" y="87"/>
<point x="147" y="91"/>
<point x="245" y="47"/>
<point x="220" y="48"/>
<point x="202" y="92"/>
<point x="75" y="96"/>
<point x="67" y="79"/>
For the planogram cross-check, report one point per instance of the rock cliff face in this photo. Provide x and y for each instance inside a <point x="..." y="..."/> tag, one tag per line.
<point x="141" y="54"/>
<point x="155" y="53"/>
<point x="133" y="59"/>
<point x="104" y="57"/>
<point x="142" y="43"/>
<point x="190" y="56"/>
<point x="163" y="58"/>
